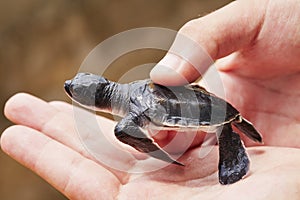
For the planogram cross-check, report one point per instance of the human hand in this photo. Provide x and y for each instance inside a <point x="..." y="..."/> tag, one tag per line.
<point x="45" y="141"/>
<point x="257" y="44"/>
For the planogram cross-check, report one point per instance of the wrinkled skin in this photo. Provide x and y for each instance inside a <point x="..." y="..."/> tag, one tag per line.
<point x="264" y="71"/>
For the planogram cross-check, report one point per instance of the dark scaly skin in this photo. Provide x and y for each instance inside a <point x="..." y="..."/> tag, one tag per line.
<point x="233" y="159"/>
<point x="141" y="103"/>
<point x="128" y="131"/>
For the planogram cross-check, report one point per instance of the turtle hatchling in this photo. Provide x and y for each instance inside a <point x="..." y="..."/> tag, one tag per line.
<point x="143" y="104"/>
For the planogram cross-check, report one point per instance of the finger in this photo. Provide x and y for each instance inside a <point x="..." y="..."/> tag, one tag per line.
<point x="74" y="175"/>
<point x="62" y="106"/>
<point x="80" y="130"/>
<point x="68" y="108"/>
<point x="21" y="105"/>
<point x="33" y="112"/>
<point x="201" y="41"/>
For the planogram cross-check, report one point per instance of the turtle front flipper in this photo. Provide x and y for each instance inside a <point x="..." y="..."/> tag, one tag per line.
<point x="233" y="161"/>
<point x="128" y="131"/>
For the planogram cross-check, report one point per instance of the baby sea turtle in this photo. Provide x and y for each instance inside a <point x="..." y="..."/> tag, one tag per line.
<point x="144" y="103"/>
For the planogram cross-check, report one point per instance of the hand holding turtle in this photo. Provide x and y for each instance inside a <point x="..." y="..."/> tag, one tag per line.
<point x="260" y="74"/>
<point x="257" y="44"/>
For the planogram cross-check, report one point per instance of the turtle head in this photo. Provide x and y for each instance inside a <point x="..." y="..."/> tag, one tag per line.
<point x="86" y="88"/>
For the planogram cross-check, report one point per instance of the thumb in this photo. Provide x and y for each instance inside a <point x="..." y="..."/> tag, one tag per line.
<point x="201" y="41"/>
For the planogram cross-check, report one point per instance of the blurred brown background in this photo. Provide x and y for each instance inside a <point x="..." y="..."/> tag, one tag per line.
<point x="44" y="42"/>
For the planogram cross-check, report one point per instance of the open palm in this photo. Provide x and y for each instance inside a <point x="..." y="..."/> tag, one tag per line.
<point x="47" y="143"/>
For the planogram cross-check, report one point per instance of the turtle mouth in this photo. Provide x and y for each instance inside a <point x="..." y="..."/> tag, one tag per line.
<point x="67" y="86"/>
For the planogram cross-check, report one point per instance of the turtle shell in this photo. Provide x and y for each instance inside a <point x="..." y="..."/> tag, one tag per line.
<point x="181" y="107"/>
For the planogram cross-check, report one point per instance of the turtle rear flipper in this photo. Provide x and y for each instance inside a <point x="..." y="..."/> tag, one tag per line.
<point x="233" y="160"/>
<point x="129" y="132"/>
<point x="248" y="129"/>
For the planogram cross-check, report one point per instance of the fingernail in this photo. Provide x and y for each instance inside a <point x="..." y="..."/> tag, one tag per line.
<point x="167" y="64"/>
<point x="167" y="71"/>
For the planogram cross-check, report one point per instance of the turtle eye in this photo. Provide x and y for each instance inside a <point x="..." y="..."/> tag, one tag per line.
<point x="77" y="91"/>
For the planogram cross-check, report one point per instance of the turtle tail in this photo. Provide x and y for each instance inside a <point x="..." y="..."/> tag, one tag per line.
<point x="248" y="129"/>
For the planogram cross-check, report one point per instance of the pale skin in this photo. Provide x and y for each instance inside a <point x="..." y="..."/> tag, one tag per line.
<point x="258" y="48"/>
